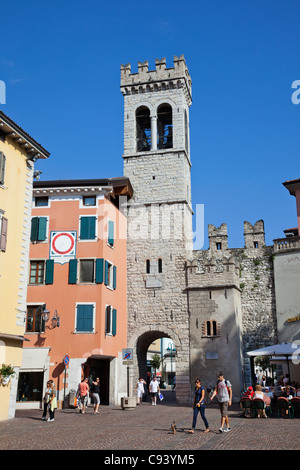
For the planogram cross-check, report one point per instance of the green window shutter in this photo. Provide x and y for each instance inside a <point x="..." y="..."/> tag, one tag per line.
<point x="99" y="270"/>
<point x="42" y="229"/>
<point x="72" y="271"/>
<point x="85" y="315"/>
<point x="111" y="232"/>
<point x="115" y="277"/>
<point x="34" y="229"/>
<point x="2" y="167"/>
<point x="87" y="228"/>
<point x="49" y="271"/>
<point x="114" y="322"/>
<point x="106" y="273"/>
<point x="107" y="319"/>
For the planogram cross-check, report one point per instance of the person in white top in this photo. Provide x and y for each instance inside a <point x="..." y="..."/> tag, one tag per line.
<point x="154" y="389"/>
<point x="259" y="394"/>
<point x="140" y="390"/>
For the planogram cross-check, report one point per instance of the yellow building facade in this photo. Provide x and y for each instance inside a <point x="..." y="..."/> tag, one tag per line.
<point x="18" y="152"/>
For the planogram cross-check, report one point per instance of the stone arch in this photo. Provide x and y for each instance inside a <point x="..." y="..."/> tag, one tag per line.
<point x="162" y="330"/>
<point x="144" y="102"/>
<point x="158" y="103"/>
<point x="140" y="342"/>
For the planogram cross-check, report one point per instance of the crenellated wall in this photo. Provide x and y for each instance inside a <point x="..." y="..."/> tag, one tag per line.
<point x="235" y="288"/>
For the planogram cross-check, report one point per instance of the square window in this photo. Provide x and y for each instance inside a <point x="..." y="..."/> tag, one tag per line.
<point x="85" y="318"/>
<point x="34" y="320"/>
<point x="36" y="275"/>
<point x="41" y="201"/>
<point x="87" y="270"/>
<point x="89" y="200"/>
<point x="87" y="228"/>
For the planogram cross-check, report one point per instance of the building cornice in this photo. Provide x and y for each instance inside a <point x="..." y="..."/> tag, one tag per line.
<point x="9" y="128"/>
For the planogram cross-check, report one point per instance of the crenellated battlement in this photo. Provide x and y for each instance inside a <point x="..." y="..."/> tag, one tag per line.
<point x="254" y="236"/>
<point x="220" y="265"/>
<point x="208" y="270"/>
<point x="162" y="78"/>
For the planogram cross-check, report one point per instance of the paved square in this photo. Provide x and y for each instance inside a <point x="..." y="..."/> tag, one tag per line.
<point x="146" y="428"/>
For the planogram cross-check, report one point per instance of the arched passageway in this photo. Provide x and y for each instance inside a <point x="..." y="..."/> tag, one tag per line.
<point x="140" y="343"/>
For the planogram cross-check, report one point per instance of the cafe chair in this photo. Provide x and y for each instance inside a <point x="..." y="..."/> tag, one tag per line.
<point x="246" y="404"/>
<point x="258" y="406"/>
<point x="283" y="404"/>
<point x="295" y="406"/>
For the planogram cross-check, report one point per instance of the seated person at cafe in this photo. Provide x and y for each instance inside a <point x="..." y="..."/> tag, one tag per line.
<point x="249" y="392"/>
<point x="288" y="391"/>
<point x="259" y="394"/>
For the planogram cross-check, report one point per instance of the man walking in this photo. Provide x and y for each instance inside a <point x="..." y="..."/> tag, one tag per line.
<point x="154" y="389"/>
<point x="223" y="391"/>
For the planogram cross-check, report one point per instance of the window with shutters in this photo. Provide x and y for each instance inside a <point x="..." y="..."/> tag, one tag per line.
<point x="211" y="328"/>
<point x="41" y="271"/>
<point x="87" y="270"/>
<point x="36" y="274"/>
<point x="111" y="233"/>
<point x="110" y="321"/>
<point x="96" y="271"/>
<point x="3" y="232"/>
<point x="85" y="318"/>
<point x="39" y="229"/>
<point x="34" y="320"/>
<point x="110" y="275"/>
<point x="2" y="168"/>
<point x="87" y="229"/>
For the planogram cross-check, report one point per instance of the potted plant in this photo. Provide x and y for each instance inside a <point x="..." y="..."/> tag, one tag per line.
<point x="6" y="372"/>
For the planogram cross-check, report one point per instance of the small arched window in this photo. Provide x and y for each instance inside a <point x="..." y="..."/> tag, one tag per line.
<point x="143" y="129"/>
<point x="164" y="127"/>
<point x="211" y="328"/>
<point x="160" y="265"/>
<point x="148" y="266"/>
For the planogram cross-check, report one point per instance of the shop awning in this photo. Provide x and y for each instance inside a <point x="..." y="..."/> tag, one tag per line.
<point x="34" y="359"/>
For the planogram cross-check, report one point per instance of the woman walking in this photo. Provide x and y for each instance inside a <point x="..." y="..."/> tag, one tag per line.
<point x="199" y="406"/>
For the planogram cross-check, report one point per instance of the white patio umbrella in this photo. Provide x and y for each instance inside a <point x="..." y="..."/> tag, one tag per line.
<point x="291" y="351"/>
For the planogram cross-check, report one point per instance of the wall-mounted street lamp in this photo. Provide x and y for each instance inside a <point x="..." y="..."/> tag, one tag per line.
<point x="55" y="320"/>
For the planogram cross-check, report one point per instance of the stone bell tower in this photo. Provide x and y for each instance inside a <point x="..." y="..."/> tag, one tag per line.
<point x="157" y="162"/>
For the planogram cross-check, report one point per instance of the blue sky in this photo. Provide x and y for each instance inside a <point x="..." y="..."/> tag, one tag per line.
<point x="60" y="62"/>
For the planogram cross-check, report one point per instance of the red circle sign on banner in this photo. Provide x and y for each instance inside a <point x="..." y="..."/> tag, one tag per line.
<point x="63" y="243"/>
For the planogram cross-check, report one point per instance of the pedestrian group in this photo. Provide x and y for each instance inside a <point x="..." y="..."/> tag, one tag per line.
<point x="223" y="391"/>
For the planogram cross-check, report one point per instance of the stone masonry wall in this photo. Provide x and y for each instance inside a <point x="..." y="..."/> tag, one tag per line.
<point x="250" y="270"/>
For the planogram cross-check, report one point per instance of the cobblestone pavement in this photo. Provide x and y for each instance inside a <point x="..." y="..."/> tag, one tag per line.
<point x="146" y="428"/>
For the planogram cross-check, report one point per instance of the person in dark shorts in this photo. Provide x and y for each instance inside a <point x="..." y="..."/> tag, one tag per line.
<point x="223" y="391"/>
